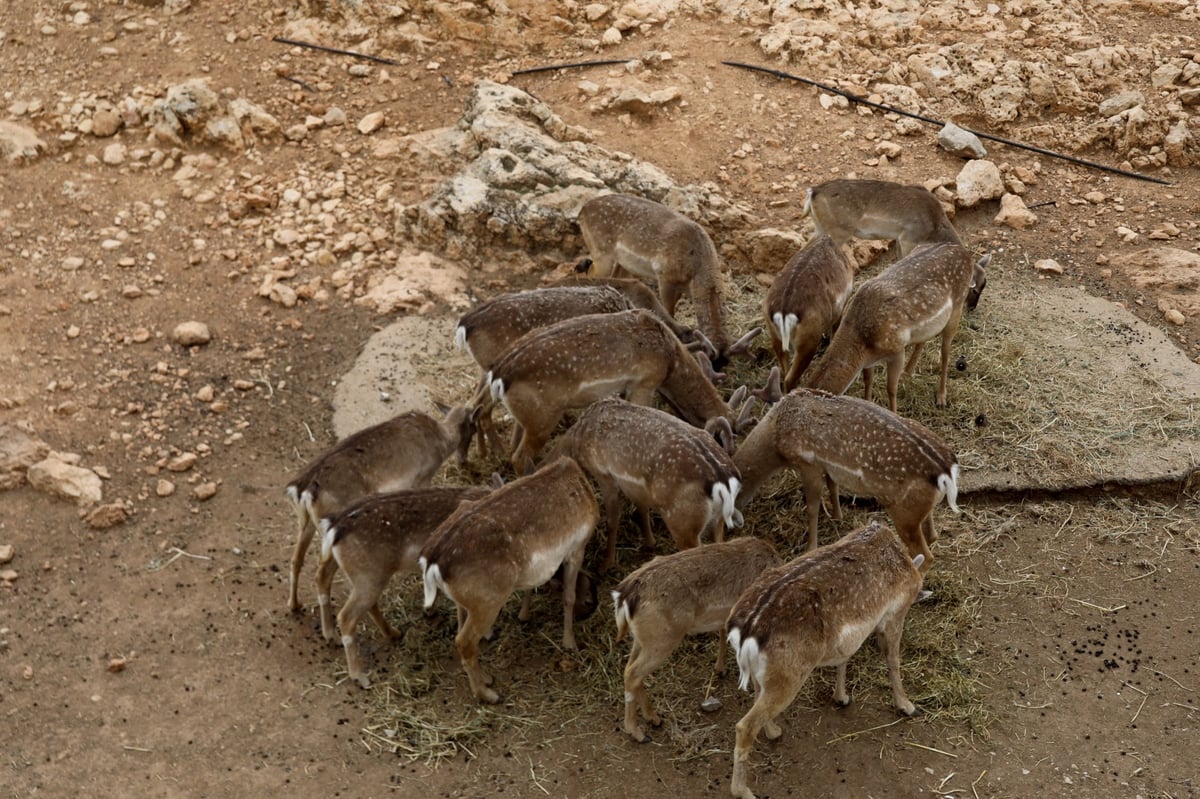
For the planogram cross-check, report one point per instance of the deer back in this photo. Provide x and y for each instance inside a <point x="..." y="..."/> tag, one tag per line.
<point x="387" y="531"/>
<point x="690" y="393"/>
<point x="651" y="454"/>
<point x="878" y="209"/>
<point x="911" y="301"/>
<point x="864" y="447"/>
<point x="639" y="295"/>
<point x="489" y="329"/>
<point x="575" y="362"/>
<point x="693" y="589"/>
<point x="827" y="602"/>
<point x="517" y="536"/>
<point x="402" y="452"/>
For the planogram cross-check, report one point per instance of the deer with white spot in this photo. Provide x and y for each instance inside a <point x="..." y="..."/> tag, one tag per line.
<point x="816" y="611"/>
<point x="686" y="593"/>
<point x="571" y="364"/>
<point x="663" y="247"/>
<point x="370" y="541"/>
<point x="805" y="303"/>
<point x="405" y="451"/>
<point x="853" y="444"/>
<point x="659" y="462"/>
<point x="513" y="539"/>
<point x="918" y="298"/>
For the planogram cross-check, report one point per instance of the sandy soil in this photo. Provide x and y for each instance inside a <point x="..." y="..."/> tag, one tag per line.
<point x="157" y="657"/>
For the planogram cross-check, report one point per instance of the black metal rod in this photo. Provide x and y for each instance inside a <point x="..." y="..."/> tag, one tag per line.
<point x="552" y="67"/>
<point x="863" y="101"/>
<point x="336" y="51"/>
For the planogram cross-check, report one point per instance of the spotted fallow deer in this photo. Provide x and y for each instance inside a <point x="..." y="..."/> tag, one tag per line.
<point x="815" y="611"/>
<point x="515" y="538"/>
<point x="685" y="593"/>
<point x="914" y="300"/>
<point x="371" y="540"/>
<point x="571" y="364"/>
<point x="879" y="209"/>
<point x="402" y="452"/>
<point x="660" y="462"/>
<point x="859" y="446"/>
<point x="805" y="303"/>
<point x="661" y="246"/>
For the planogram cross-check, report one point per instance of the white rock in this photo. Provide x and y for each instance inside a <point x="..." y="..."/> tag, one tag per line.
<point x="1014" y="213"/>
<point x="19" y="449"/>
<point x="164" y="488"/>
<point x="611" y="36"/>
<point x="114" y="154"/>
<point x="335" y="116"/>
<point x="977" y="181"/>
<point x="188" y="334"/>
<point x="1174" y="316"/>
<point x="6" y="553"/>
<point x="1048" y="266"/>
<point x="19" y="142"/>
<point x="53" y="476"/>
<point x="297" y="132"/>
<point x="960" y="141"/>
<point x="371" y="123"/>
<point x="72" y="262"/>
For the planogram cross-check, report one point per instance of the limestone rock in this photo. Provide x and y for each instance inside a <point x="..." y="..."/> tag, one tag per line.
<point x="961" y="142"/>
<point x="769" y="249"/>
<point x="106" y="516"/>
<point x="1014" y="213"/>
<point x="416" y="280"/>
<point x="188" y="334"/>
<point x="193" y="109"/>
<point x="371" y="123"/>
<point x="1122" y="101"/>
<point x="105" y="123"/>
<point x="1048" y="266"/>
<point x="18" y="142"/>
<point x="978" y="180"/>
<point x="19" y="449"/>
<point x="55" y="476"/>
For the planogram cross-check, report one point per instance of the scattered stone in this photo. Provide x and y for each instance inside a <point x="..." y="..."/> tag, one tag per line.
<point x="8" y="576"/>
<point x="1095" y="197"/>
<point x="769" y="249"/>
<point x="360" y="70"/>
<point x="205" y="491"/>
<point x="297" y="132"/>
<point x="371" y="123"/>
<point x="18" y="142"/>
<point x="1048" y="266"/>
<point x="106" y="516"/>
<point x="7" y="553"/>
<point x="611" y="36"/>
<point x="54" y="476"/>
<point x="205" y="394"/>
<point x="961" y="142"/>
<point x="710" y="704"/>
<point x="1120" y="102"/>
<point x="335" y="117"/>
<point x="165" y="488"/>
<point x="131" y="292"/>
<point x="105" y="123"/>
<point x="1174" y="316"/>
<point x="978" y="181"/>
<point x="188" y="334"/>
<point x="19" y="450"/>
<point x="182" y="462"/>
<point x="116" y="665"/>
<point x="1014" y="213"/>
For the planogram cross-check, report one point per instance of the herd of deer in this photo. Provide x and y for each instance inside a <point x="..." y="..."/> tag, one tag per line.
<point x="609" y="346"/>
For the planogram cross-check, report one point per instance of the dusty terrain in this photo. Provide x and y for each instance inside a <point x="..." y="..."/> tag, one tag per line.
<point x="156" y="657"/>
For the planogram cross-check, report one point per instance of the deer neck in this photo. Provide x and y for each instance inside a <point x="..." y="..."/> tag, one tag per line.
<point x="840" y="364"/>
<point x="757" y="459"/>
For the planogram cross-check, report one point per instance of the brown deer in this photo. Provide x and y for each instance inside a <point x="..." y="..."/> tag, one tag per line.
<point x="859" y="446"/>
<point x="402" y="452"/>
<point x="914" y="300"/>
<point x="661" y="246"/>
<point x="370" y="541"/>
<point x="685" y="593"/>
<point x="879" y="209"/>
<point x="805" y="303"/>
<point x="660" y="462"/>
<point x="815" y="611"/>
<point x="515" y="538"/>
<point x="571" y="364"/>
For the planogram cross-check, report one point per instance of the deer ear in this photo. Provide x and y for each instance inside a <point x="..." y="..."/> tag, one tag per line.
<point x="745" y="421"/>
<point x="772" y="392"/>
<point x="706" y="367"/>
<point x="497" y="480"/>
<point x="720" y="429"/>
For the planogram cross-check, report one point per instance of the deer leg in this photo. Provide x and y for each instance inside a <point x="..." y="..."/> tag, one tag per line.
<point x="670" y="294"/>
<point x="470" y="632"/>
<point x="895" y="367"/>
<point x="326" y="570"/>
<point x="571" y="568"/>
<point x="840" y="695"/>
<point x="868" y="376"/>
<point x="348" y="619"/>
<point x="781" y="357"/>
<point x="835" y="499"/>
<point x="611" y="497"/>
<point x="909" y="527"/>
<point x="774" y="696"/>
<point x="947" y="338"/>
<point x="643" y="661"/>
<point x="889" y="636"/>
<point x="911" y="363"/>
<point x="383" y="624"/>
<point x="811" y="479"/>
<point x="306" y="528"/>
<point x="800" y="361"/>
<point x="687" y="520"/>
<point x="928" y="530"/>
<point x="720" y="667"/>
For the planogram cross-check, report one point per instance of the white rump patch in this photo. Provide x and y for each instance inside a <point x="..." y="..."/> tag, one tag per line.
<point x="497" y="387"/>
<point x="724" y="497"/>
<point x="431" y="576"/>
<point x="328" y="533"/>
<point x="785" y="325"/>
<point x="948" y="485"/>
<point x="621" y="613"/>
<point x="749" y="659"/>
<point x="460" y="337"/>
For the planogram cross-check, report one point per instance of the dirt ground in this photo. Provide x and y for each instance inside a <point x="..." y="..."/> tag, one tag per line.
<point x="157" y="657"/>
